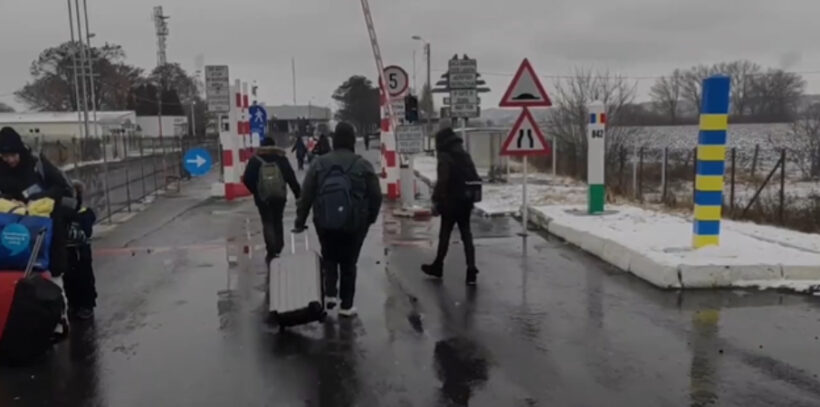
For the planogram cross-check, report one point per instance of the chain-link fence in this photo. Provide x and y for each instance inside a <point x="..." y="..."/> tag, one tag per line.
<point x="120" y="171"/>
<point x="762" y="183"/>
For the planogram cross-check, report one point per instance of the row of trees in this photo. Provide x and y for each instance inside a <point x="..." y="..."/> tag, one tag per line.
<point x="118" y="85"/>
<point x="758" y="94"/>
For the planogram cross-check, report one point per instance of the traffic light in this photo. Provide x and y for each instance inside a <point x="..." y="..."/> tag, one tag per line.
<point x="411" y="109"/>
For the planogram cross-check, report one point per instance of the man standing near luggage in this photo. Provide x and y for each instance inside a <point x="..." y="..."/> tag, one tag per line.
<point x="267" y="176"/>
<point x="452" y="200"/>
<point x="343" y="190"/>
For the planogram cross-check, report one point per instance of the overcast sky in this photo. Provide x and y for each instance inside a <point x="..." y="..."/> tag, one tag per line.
<point x="328" y="39"/>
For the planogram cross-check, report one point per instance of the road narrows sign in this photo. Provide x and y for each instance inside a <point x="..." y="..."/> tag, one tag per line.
<point x="526" y="89"/>
<point x="525" y="138"/>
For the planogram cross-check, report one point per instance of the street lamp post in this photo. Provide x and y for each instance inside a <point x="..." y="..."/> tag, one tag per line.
<point x="429" y="89"/>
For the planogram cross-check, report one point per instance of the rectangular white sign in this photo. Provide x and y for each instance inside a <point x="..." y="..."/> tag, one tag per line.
<point x="217" y="88"/>
<point x="467" y="110"/>
<point x="409" y="139"/>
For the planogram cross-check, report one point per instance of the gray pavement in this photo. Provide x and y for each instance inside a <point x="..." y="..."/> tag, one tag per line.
<point x="547" y="326"/>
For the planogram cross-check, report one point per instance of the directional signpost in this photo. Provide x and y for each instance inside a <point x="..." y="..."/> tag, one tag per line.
<point x="525" y="138"/>
<point x="197" y="161"/>
<point x="259" y="121"/>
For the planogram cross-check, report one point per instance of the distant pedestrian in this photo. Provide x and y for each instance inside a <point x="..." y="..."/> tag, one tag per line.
<point x="311" y="145"/>
<point x="322" y="146"/>
<point x="343" y="191"/>
<point x="366" y="137"/>
<point x="80" y="284"/>
<point x="453" y="200"/>
<point x="268" y="176"/>
<point x="301" y="151"/>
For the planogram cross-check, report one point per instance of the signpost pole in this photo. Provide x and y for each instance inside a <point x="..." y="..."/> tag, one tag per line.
<point x="596" y="140"/>
<point x="524" y="209"/>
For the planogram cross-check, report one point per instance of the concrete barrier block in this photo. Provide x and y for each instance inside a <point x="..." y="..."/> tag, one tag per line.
<point x="617" y="254"/>
<point x="801" y="272"/>
<point x="710" y="276"/>
<point x="657" y="274"/>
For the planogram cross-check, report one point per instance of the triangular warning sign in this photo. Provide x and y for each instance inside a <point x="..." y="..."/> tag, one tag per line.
<point x="525" y="89"/>
<point x="525" y="138"/>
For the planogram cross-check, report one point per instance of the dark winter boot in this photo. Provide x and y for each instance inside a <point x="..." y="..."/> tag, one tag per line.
<point x="472" y="273"/>
<point x="433" y="270"/>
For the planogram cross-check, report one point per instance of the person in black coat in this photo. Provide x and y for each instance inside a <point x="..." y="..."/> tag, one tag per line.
<point x="26" y="177"/>
<point x="301" y="151"/>
<point x="271" y="212"/>
<point x="322" y="146"/>
<point x="455" y="167"/>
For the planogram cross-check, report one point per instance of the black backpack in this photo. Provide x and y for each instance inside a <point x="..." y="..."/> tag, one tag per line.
<point x="338" y="205"/>
<point x="466" y="175"/>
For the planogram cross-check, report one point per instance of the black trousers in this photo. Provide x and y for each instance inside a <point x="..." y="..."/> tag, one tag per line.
<point x="340" y="253"/>
<point x="460" y="217"/>
<point x="300" y="160"/>
<point x="272" y="228"/>
<point x="79" y="281"/>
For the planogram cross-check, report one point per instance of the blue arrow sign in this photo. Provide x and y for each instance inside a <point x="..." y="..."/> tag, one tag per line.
<point x="259" y="120"/>
<point x="197" y="162"/>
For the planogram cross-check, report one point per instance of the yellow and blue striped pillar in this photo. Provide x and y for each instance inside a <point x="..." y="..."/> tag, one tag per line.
<point x="711" y="162"/>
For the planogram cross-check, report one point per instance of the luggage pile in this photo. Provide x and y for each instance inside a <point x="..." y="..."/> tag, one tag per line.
<point x="32" y="306"/>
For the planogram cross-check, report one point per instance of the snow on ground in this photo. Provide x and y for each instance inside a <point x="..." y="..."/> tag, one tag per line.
<point x="505" y="199"/>
<point x="657" y="247"/>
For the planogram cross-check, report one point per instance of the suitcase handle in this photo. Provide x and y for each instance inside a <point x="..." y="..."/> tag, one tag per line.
<point x="293" y="242"/>
<point x="35" y="252"/>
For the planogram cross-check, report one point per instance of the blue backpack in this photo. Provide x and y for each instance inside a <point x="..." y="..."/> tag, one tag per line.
<point x="338" y="206"/>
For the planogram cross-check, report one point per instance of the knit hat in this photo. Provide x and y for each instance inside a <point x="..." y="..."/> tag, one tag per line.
<point x="344" y="137"/>
<point x="10" y="141"/>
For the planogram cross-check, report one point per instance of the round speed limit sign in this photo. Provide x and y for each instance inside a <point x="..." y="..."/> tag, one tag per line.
<point x="396" y="80"/>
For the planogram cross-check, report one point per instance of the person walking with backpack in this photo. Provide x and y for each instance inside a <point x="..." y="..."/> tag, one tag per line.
<point x="268" y="176"/>
<point x="343" y="191"/>
<point x="456" y="191"/>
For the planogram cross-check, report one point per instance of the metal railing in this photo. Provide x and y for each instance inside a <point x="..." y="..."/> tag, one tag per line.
<point x="120" y="172"/>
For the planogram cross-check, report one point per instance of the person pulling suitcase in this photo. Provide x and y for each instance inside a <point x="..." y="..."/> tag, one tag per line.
<point x="343" y="191"/>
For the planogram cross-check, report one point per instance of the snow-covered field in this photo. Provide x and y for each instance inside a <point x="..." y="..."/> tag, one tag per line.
<point x="657" y="247"/>
<point x="505" y="199"/>
<point x="742" y="136"/>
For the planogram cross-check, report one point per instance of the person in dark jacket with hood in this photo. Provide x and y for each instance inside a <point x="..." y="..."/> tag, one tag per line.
<point x="301" y="151"/>
<point x="26" y="177"/>
<point x="455" y="168"/>
<point x="322" y="146"/>
<point x="341" y="248"/>
<point x="271" y="209"/>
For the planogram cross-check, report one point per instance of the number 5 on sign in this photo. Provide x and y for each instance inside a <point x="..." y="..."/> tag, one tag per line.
<point x="397" y="80"/>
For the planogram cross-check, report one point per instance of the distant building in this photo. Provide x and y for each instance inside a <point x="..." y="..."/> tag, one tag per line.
<point x="291" y="119"/>
<point x="64" y="126"/>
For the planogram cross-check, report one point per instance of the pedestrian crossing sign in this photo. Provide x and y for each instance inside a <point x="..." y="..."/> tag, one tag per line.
<point x="525" y="138"/>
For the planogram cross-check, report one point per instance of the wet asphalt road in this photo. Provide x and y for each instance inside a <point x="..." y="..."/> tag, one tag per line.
<point x="547" y="326"/>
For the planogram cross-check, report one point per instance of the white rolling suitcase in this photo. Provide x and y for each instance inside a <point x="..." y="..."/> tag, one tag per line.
<point x="295" y="289"/>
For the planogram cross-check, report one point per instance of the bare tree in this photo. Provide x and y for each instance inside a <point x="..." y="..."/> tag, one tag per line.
<point x="569" y="117"/>
<point x="806" y="129"/>
<point x="743" y="74"/>
<point x="776" y="95"/>
<point x="666" y="94"/>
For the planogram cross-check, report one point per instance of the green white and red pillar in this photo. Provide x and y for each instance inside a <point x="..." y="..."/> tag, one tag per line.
<point x="596" y="142"/>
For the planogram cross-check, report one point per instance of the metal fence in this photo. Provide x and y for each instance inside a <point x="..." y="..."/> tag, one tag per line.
<point x="119" y="172"/>
<point x="763" y="183"/>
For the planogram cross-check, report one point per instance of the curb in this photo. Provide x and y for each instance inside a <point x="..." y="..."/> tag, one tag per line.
<point x="680" y="276"/>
